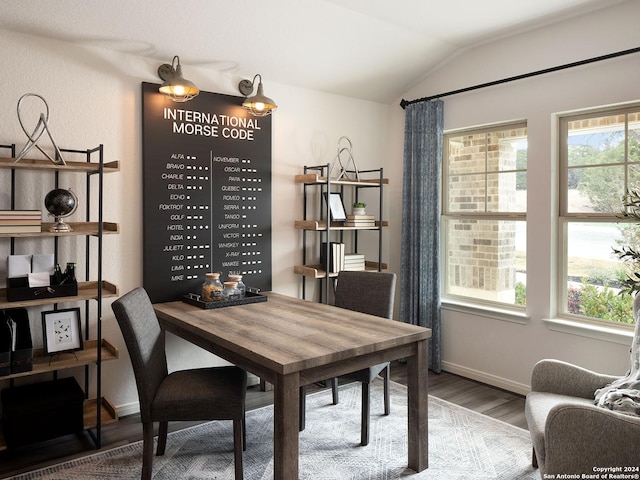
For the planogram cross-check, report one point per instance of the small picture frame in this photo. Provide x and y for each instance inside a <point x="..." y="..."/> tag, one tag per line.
<point x="61" y="331"/>
<point x="336" y="207"/>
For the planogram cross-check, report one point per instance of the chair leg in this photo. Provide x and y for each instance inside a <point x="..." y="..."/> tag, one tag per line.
<point x="386" y="374"/>
<point x="147" y="450"/>
<point x="163" y="429"/>
<point x="534" y="459"/>
<point x="238" y="435"/>
<point x="303" y="408"/>
<point x="364" y="422"/>
<point x="334" y="390"/>
<point x="244" y="433"/>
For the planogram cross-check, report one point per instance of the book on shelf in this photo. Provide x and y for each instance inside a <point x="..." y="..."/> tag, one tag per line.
<point x="360" y="221"/>
<point x="20" y="228"/>
<point x="354" y="262"/>
<point x="360" y="217"/>
<point x="20" y="222"/>
<point x="30" y="215"/>
<point x="336" y="257"/>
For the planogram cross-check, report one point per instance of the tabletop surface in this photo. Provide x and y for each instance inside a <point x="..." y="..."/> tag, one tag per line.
<point x="289" y="334"/>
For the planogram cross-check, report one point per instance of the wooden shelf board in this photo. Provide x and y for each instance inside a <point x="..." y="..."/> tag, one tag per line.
<point x="78" y="228"/>
<point x="86" y="356"/>
<point x="373" y="266"/>
<point x="316" y="179"/>
<point x="108" y="413"/>
<point x="86" y="291"/>
<point x="321" y="225"/>
<point x="313" y="271"/>
<point x="45" y="164"/>
<point x="316" y="271"/>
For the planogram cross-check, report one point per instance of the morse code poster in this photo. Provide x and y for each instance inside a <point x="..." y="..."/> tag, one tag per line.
<point x="206" y="193"/>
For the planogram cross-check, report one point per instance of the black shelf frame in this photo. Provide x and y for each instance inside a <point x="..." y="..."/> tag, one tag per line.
<point x="89" y="155"/>
<point x="327" y="283"/>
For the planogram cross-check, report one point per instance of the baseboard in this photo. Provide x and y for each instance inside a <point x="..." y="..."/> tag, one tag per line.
<point x="503" y="383"/>
<point x="127" y="409"/>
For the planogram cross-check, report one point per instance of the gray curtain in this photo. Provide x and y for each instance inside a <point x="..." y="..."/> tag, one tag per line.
<point x="420" y="256"/>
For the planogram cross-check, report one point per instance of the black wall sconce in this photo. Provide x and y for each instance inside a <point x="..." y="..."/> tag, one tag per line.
<point x="175" y="86"/>
<point x="258" y="105"/>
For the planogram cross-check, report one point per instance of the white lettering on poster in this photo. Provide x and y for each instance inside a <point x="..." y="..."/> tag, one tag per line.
<point x="193" y="122"/>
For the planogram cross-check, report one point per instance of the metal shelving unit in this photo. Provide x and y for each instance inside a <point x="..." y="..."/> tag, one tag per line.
<point x="96" y="349"/>
<point x="316" y="181"/>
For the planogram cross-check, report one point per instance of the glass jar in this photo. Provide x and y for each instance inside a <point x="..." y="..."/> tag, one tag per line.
<point x="231" y="291"/>
<point x="241" y="286"/>
<point x="212" y="288"/>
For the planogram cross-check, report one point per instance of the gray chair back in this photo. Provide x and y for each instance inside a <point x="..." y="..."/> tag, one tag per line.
<point x="145" y="342"/>
<point x="366" y="292"/>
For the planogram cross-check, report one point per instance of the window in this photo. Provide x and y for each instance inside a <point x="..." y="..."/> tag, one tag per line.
<point x="484" y="214"/>
<point x="600" y="160"/>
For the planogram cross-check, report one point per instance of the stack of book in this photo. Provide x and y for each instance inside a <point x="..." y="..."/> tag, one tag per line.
<point x="336" y="257"/>
<point x="20" y="221"/>
<point x="361" y="221"/>
<point x="354" y="262"/>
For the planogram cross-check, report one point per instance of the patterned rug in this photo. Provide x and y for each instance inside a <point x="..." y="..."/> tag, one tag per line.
<point x="462" y="445"/>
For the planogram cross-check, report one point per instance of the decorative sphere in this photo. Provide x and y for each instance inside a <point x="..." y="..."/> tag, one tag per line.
<point x="60" y="202"/>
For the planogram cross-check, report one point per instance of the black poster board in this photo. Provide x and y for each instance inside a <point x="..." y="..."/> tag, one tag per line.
<point x="206" y="193"/>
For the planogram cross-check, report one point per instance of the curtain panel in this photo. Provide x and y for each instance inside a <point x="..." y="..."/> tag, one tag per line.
<point x="420" y="255"/>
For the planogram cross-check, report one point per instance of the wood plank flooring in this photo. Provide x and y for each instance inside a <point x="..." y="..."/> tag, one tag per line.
<point x="500" y="404"/>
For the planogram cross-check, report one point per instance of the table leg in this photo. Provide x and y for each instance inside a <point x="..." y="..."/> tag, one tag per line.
<point x="417" y="380"/>
<point x="285" y="427"/>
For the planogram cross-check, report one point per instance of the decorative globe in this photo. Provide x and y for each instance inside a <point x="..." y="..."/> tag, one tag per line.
<point x="60" y="203"/>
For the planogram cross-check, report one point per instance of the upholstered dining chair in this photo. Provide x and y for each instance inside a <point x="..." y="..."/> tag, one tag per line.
<point x="214" y="393"/>
<point x="372" y="293"/>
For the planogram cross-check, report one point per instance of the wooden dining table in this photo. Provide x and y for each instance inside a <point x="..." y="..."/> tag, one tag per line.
<point x="291" y="342"/>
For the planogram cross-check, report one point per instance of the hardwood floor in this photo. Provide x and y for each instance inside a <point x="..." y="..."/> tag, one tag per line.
<point x="500" y="404"/>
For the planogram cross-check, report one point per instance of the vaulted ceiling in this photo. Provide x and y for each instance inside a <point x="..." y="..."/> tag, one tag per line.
<point x="369" y="49"/>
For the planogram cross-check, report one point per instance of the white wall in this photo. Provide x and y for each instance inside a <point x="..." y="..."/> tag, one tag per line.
<point x="94" y="97"/>
<point x="484" y="347"/>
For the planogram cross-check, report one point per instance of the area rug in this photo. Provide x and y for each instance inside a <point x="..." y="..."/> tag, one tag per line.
<point x="463" y="445"/>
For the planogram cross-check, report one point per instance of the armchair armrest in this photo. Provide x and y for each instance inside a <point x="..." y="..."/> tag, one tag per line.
<point x="581" y="437"/>
<point x="555" y="376"/>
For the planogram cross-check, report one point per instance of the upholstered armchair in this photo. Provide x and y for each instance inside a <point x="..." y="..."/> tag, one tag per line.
<point x="570" y="434"/>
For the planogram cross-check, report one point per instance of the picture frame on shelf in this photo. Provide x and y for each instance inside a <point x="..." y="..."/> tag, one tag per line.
<point x="61" y="331"/>
<point x="336" y="207"/>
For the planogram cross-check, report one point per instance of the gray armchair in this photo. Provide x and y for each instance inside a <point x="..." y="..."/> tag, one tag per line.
<point x="570" y="434"/>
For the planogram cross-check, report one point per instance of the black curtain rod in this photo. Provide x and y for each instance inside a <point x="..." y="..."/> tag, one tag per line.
<point x="404" y="102"/>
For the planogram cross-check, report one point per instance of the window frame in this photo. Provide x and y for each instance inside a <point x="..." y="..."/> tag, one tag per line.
<point x="446" y="215"/>
<point x="565" y="217"/>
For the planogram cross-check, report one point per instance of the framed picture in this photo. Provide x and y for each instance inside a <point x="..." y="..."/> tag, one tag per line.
<point x="336" y="207"/>
<point x="61" y="330"/>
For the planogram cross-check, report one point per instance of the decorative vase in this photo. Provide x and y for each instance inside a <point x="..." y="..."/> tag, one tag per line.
<point x="359" y="211"/>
